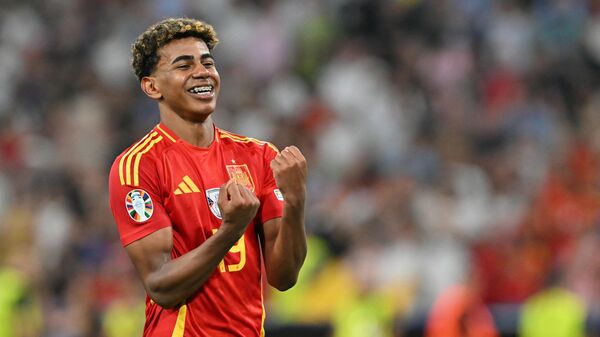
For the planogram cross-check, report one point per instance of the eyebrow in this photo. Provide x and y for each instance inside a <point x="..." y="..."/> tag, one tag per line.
<point x="191" y="57"/>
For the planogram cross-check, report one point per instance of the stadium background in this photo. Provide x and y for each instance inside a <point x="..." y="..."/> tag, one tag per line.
<point x="453" y="150"/>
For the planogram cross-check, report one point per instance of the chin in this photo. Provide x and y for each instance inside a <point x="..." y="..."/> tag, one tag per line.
<point x="200" y="116"/>
<point x="205" y="111"/>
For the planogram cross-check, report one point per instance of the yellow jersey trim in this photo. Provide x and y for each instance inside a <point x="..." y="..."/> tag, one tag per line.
<point x="166" y="133"/>
<point x="264" y="312"/>
<point x="180" y="323"/>
<point x="225" y="134"/>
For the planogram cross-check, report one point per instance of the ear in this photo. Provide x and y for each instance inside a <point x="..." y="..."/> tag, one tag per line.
<point x="150" y="87"/>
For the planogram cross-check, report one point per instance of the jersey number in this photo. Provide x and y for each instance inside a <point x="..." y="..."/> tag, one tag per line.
<point x="238" y="248"/>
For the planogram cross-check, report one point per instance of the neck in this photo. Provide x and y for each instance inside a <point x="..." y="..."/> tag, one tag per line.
<point x="199" y="134"/>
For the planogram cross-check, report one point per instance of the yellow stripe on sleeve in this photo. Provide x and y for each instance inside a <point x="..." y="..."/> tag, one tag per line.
<point x="191" y="184"/>
<point x="122" y="161"/>
<point x="180" y="323"/>
<point x="129" y="156"/>
<point x="136" y="166"/>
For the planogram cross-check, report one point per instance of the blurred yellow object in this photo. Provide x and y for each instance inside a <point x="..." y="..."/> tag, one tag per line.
<point x="328" y="292"/>
<point x="554" y="312"/>
<point x="124" y="318"/>
<point x="20" y="313"/>
<point x="370" y="314"/>
<point x="324" y="284"/>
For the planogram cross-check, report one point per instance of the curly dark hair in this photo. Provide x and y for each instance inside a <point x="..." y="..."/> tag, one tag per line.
<point x="146" y="46"/>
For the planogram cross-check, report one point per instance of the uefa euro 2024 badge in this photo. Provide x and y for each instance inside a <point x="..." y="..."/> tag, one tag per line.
<point x="139" y="205"/>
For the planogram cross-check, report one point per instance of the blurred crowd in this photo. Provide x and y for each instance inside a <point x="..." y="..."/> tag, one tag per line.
<point x="454" y="184"/>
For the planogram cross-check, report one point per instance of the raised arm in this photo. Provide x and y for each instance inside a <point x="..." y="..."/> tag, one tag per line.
<point x="285" y="237"/>
<point x="169" y="282"/>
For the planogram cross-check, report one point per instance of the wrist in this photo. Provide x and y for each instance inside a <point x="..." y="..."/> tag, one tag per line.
<point x="294" y="201"/>
<point x="228" y="232"/>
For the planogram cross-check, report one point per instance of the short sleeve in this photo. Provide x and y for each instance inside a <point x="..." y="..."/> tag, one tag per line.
<point x="137" y="209"/>
<point x="271" y="199"/>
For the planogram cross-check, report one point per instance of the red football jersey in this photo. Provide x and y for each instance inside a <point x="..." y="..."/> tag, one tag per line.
<point x="163" y="181"/>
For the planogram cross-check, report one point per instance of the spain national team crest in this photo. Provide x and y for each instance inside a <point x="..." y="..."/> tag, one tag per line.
<point x="139" y="205"/>
<point x="212" y="196"/>
<point x="242" y="175"/>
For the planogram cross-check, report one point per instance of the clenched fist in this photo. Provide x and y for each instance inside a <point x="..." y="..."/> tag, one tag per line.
<point x="238" y="206"/>
<point x="290" y="170"/>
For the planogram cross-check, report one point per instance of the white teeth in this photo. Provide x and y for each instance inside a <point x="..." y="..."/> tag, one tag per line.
<point x="201" y="89"/>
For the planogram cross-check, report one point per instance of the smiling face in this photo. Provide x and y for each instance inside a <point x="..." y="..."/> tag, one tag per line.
<point x="185" y="80"/>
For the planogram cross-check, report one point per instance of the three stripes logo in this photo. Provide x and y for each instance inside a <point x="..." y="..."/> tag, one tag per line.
<point x="186" y="186"/>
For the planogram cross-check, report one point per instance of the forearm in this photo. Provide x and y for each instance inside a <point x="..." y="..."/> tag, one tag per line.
<point x="287" y="255"/>
<point x="178" y="279"/>
<point x="285" y="238"/>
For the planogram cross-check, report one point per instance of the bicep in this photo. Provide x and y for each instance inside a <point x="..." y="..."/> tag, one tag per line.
<point x="151" y="252"/>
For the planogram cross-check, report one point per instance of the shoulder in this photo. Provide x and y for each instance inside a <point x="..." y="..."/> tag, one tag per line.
<point x="141" y="156"/>
<point x="233" y="139"/>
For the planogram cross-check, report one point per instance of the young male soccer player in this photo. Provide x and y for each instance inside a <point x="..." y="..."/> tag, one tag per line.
<point x="199" y="209"/>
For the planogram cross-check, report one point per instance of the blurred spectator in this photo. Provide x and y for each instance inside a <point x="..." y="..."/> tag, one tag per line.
<point x="20" y="307"/>
<point x="460" y="312"/>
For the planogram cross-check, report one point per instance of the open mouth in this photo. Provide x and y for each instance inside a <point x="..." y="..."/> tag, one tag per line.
<point x="202" y="90"/>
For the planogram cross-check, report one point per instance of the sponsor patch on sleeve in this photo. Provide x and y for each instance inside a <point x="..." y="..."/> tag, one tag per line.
<point x="278" y="194"/>
<point x="139" y="205"/>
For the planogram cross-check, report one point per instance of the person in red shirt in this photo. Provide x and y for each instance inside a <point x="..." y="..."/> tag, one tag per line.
<point x="200" y="210"/>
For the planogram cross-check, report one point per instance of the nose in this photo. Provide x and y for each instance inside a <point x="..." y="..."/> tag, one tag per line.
<point x="200" y="71"/>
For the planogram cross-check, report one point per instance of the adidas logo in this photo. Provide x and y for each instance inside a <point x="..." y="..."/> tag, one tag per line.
<point x="186" y="186"/>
